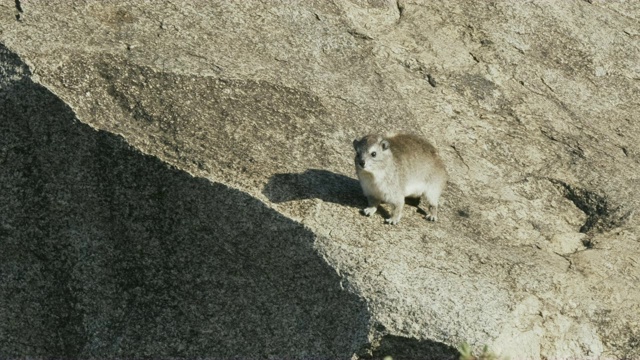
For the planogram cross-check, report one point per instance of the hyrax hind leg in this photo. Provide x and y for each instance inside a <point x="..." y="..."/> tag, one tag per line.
<point x="431" y="196"/>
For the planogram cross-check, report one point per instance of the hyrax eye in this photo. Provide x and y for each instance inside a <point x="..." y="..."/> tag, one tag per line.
<point x="373" y="154"/>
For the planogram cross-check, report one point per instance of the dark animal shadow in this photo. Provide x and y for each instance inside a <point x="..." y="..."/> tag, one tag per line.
<point x="326" y="186"/>
<point x="315" y="184"/>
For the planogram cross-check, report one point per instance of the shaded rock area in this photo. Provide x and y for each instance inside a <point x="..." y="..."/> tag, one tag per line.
<point x="404" y="348"/>
<point x="177" y="178"/>
<point x="107" y="252"/>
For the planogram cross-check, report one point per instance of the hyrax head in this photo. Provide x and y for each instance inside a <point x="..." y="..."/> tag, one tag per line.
<point x="372" y="151"/>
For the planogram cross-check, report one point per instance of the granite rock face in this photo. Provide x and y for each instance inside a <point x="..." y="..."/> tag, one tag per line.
<point x="110" y="252"/>
<point x="177" y="178"/>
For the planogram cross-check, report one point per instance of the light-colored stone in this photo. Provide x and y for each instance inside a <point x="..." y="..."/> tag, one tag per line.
<point x="569" y="243"/>
<point x="532" y="105"/>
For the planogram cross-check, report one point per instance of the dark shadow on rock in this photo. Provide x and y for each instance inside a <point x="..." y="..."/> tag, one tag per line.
<point x="315" y="184"/>
<point x="401" y="348"/>
<point x="106" y="252"/>
<point x="324" y="185"/>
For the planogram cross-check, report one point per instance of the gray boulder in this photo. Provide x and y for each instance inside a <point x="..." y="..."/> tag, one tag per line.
<point x="178" y="181"/>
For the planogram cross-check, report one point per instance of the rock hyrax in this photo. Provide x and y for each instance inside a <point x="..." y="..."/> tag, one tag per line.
<point x="395" y="166"/>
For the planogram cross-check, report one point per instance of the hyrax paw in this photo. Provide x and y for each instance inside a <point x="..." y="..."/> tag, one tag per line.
<point x="369" y="211"/>
<point x="430" y="217"/>
<point x="392" y="221"/>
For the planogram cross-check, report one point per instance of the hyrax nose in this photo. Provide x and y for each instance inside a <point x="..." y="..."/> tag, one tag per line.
<point x="361" y="162"/>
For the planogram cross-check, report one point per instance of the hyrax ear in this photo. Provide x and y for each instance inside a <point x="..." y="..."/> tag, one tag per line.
<point x="384" y="144"/>
<point x="355" y="144"/>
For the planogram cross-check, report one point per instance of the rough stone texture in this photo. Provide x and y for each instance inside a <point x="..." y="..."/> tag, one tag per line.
<point x="212" y="209"/>
<point x="109" y="252"/>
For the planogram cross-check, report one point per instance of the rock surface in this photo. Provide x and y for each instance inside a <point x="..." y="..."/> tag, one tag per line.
<point x="177" y="178"/>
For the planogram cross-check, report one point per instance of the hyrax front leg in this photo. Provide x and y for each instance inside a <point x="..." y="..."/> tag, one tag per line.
<point x="373" y="206"/>
<point x="396" y="213"/>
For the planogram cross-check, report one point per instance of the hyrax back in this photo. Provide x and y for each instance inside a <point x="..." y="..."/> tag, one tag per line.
<point x="396" y="166"/>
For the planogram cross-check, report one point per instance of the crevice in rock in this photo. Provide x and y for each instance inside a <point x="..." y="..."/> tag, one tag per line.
<point x="625" y="151"/>
<point x="544" y="82"/>
<point x="19" y="10"/>
<point x="573" y="145"/>
<point x="431" y="80"/>
<point x="460" y="156"/>
<point x="562" y="105"/>
<point x="419" y="68"/>
<point x="359" y="35"/>
<point x="588" y="243"/>
<point x="401" y="10"/>
<point x="601" y="214"/>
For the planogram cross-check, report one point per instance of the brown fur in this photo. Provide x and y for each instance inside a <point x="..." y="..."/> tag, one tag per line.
<point x="404" y="165"/>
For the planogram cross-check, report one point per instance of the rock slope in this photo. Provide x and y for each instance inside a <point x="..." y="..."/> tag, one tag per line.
<point x="178" y="181"/>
